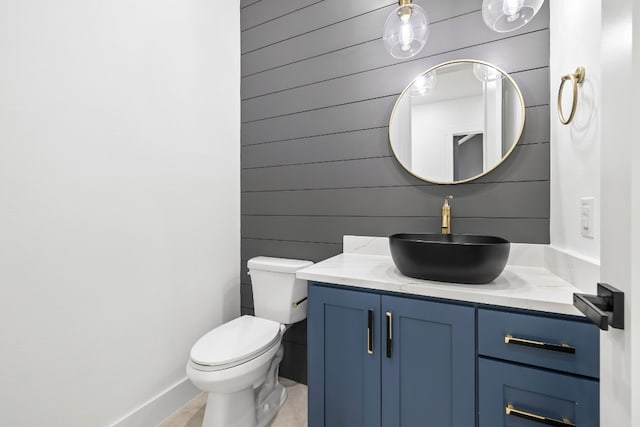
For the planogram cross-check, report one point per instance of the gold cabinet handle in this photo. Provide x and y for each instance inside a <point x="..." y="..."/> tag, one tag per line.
<point x="389" y="333"/>
<point x="562" y="348"/>
<point x="510" y="410"/>
<point x="576" y="79"/>
<point x="369" y="331"/>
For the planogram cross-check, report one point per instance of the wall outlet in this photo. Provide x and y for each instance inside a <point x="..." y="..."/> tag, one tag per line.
<point x="587" y="212"/>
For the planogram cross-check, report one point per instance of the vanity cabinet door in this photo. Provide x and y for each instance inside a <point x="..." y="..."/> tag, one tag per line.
<point x="428" y="363"/>
<point x="513" y="395"/>
<point x="344" y="358"/>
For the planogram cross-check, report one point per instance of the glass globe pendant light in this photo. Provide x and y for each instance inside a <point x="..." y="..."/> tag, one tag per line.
<point x="509" y="15"/>
<point x="406" y="30"/>
<point x="424" y="84"/>
<point x="485" y="73"/>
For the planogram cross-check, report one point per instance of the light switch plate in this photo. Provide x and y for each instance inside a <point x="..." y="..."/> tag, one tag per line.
<point x="587" y="212"/>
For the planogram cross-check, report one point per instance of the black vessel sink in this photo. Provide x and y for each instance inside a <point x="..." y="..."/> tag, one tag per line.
<point x="459" y="258"/>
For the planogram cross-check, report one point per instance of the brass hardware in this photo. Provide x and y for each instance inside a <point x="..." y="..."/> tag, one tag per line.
<point x="297" y="303"/>
<point x="405" y="11"/>
<point x="446" y="216"/>
<point x="404" y="8"/>
<point x="369" y="331"/>
<point x="576" y="79"/>
<point x="389" y="332"/>
<point x="565" y="422"/>
<point x="562" y="348"/>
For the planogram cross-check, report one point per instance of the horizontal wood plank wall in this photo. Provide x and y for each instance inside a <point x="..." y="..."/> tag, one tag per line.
<point x="317" y="91"/>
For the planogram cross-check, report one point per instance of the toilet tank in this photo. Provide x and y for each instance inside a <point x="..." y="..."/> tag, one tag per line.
<point x="277" y="294"/>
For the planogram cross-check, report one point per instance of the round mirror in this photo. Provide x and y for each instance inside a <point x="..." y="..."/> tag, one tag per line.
<point x="456" y="121"/>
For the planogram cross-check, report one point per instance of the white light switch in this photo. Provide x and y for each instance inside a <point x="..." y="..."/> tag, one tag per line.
<point x="586" y="217"/>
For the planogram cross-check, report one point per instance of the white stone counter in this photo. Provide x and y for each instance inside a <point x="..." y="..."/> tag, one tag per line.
<point x="525" y="287"/>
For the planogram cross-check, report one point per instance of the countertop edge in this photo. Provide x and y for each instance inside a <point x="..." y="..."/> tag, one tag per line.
<point x="560" y="290"/>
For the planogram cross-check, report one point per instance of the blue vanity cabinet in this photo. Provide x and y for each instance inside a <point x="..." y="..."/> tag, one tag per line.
<point x="379" y="360"/>
<point x="561" y="344"/>
<point x="537" y="370"/>
<point x="513" y="395"/>
<point x="343" y="339"/>
<point x="428" y="369"/>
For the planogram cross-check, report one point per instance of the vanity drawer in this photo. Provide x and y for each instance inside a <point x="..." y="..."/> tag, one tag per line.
<point x="516" y="396"/>
<point x="563" y="345"/>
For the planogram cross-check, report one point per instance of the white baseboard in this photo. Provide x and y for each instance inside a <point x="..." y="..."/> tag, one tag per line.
<point x="159" y="408"/>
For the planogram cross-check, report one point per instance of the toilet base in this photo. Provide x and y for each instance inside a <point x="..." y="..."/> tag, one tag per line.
<point x="253" y="406"/>
<point x="239" y="410"/>
<point x="270" y="396"/>
<point x="230" y="409"/>
<point x="271" y="405"/>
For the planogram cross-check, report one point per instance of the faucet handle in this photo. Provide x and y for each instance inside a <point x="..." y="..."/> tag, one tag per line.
<point x="448" y="197"/>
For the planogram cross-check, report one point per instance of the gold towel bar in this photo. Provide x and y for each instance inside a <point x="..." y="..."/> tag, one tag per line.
<point x="576" y="79"/>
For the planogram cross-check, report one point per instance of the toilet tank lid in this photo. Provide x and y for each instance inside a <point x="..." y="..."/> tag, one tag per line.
<point x="279" y="265"/>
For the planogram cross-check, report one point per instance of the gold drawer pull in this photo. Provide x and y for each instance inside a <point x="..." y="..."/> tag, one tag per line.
<point x="510" y="410"/>
<point x="562" y="348"/>
<point x="389" y="333"/>
<point x="369" y="331"/>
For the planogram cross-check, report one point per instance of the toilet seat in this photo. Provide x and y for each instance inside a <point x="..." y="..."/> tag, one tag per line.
<point x="235" y="343"/>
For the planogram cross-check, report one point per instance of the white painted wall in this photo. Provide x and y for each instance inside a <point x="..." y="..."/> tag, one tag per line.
<point x="511" y="117"/>
<point x="400" y="131"/>
<point x="119" y="200"/>
<point x="437" y="123"/>
<point x="492" y="139"/>
<point x="575" y="148"/>
<point x="634" y="234"/>
<point x="609" y="30"/>
<point x="619" y="349"/>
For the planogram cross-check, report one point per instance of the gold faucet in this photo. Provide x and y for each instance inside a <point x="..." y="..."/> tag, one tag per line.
<point x="446" y="216"/>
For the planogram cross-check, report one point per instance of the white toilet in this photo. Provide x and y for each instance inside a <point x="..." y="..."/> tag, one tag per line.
<point x="237" y="362"/>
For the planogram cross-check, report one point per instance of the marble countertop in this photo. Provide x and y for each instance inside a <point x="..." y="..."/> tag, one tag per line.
<point x="526" y="287"/>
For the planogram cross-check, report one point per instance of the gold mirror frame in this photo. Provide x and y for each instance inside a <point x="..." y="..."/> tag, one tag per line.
<point x="457" y="61"/>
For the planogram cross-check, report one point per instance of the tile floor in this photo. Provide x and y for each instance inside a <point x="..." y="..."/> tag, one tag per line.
<point x="292" y="414"/>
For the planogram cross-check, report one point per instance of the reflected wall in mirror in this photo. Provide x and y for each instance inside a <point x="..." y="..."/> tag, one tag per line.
<point x="456" y="121"/>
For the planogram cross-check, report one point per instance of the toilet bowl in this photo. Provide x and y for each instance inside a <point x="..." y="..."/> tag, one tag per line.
<point x="237" y="362"/>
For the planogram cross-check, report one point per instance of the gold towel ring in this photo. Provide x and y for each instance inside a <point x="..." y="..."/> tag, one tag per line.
<point x="576" y="79"/>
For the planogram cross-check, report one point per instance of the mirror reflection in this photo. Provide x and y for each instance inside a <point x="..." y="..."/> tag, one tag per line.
<point x="456" y="122"/>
